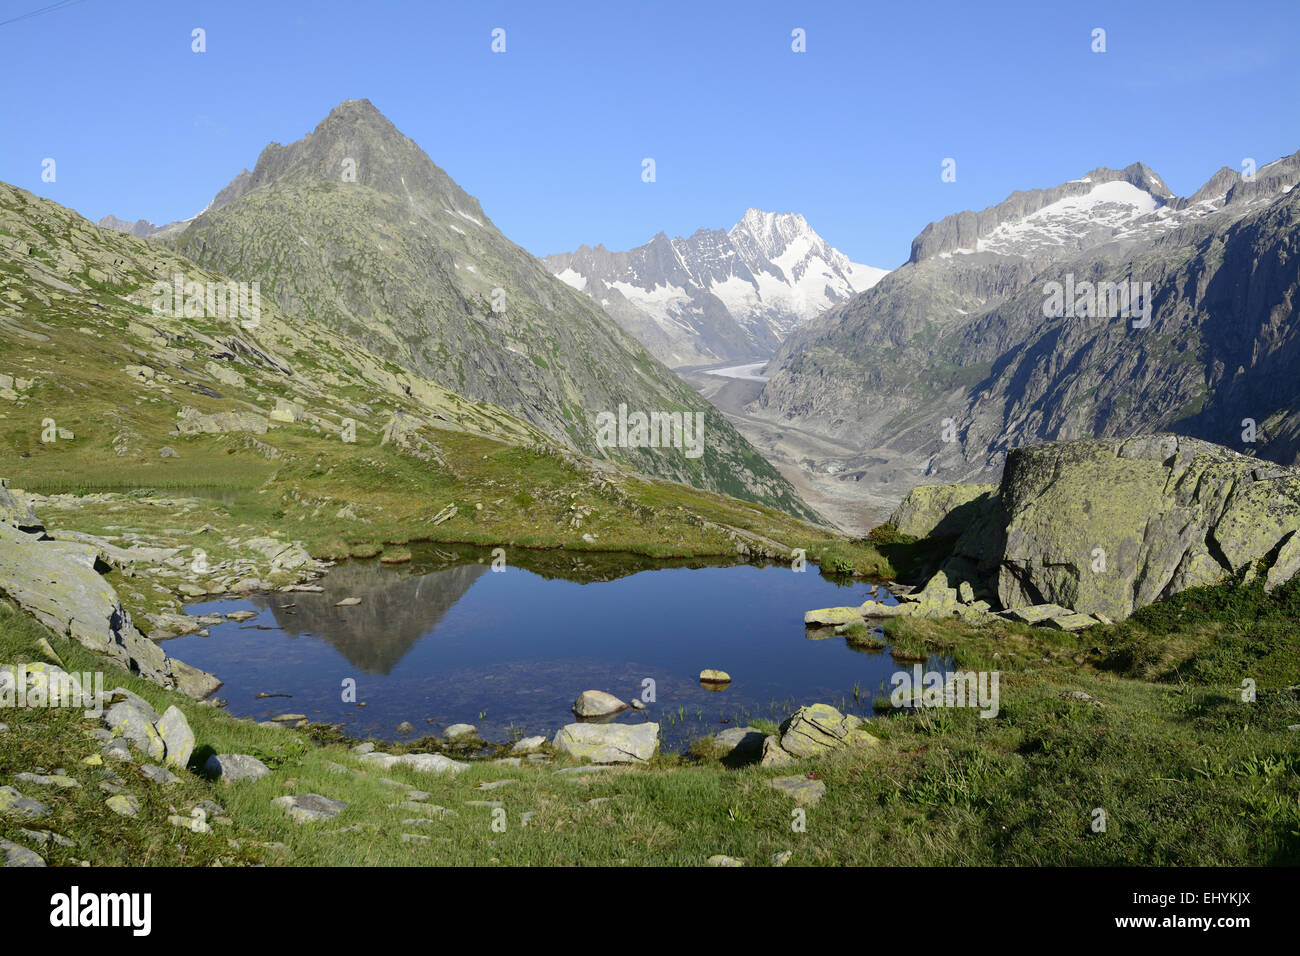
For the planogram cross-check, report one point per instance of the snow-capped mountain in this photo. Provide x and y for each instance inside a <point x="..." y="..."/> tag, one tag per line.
<point x="718" y="296"/>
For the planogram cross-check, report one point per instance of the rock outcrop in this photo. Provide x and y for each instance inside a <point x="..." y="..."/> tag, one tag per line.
<point x="1106" y="526"/>
<point x="60" y="584"/>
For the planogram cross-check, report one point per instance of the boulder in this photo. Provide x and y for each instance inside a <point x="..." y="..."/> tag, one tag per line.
<point x="744" y="742"/>
<point x="229" y="768"/>
<point x="818" y="728"/>
<point x="608" y="743"/>
<point x="710" y="676"/>
<point x="941" y="511"/>
<point x="17" y="512"/>
<point x="177" y="736"/>
<point x="125" y="720"/>
<point x="773" y="755"/>
<point x="457" y="731"/>
<point x="597" y="703"/>
<point x="58" y="583"/>
<point x="1164" y="512"/>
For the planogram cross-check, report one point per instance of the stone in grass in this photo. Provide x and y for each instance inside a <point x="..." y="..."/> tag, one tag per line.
<point x="310" y="807"/>
<point x="740" y="742"/>
<point x="494" y="784"/>
<point x="179" y="739"/>
<point x="126" y="720"/>
<point x="609" y="743"/>
<point x="45" y="836"/>
<point x="782" y="857"/>
<point x="124" y="804"/>
<point x="773" y="755"/>
<point x="528" y="745"/>
<point x="719" y="859"/>
<point x="364" y="748"/>
<point x="58" y="780"/>
<point x="158" y="774"/>
<point x="15" y="855"/>
<point x="14" y="804"/>
<point x="229" y="768"/>
<point x="804" y="791"/>
<point x="415" y="838"/>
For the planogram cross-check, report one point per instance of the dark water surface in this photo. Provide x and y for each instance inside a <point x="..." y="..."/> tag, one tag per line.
<point x="445" y="641"/>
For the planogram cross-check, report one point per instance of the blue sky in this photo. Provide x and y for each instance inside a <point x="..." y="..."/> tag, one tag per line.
<point x="550" y="135"/>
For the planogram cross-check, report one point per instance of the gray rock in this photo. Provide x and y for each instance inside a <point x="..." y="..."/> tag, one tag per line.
<point x="597" y="703"/>
<point x="14" y="804"/>
<point x="719" y="859"/>
<point x="609" y="743"/>
<point x="432" y="763"/>
<point x="782" y="857"/>
<point x="15" y="855"/>
<point x="229" y="768"/>
<point x="61" y="781"/>
<point x="406" y="727"/>
<point x="457" y="731"/>
<point x="124" y="804"/>
<point x="17" y="512"/>
<point x="158" y="774"/>
<point x="177" y="736"/>
<point x="804" y="791"/>
<point x="773" y="755"/>
<point x="740" y="742"/>
<point x="125" y="720"/>
<point x="310" y="807"/>
<point x="528" y="745"/>
<point x="364" y="748"/>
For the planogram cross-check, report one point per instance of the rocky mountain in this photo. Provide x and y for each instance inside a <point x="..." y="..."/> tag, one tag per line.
<point x="718" y="295"/>
<point x="971" y="348"/>
<point x="354" y="227"/>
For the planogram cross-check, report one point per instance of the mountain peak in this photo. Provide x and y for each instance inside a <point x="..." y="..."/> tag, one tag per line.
<point x="354" y="143"/>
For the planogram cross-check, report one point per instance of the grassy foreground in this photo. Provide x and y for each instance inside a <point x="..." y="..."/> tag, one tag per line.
<point x="1186" y="772"/>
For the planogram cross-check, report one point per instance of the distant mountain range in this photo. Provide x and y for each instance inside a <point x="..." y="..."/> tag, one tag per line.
<point x="718" y="296"/>
<point x="954" y="358"/>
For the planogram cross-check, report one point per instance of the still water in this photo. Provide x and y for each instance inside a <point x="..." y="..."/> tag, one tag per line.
<point x="448" y="640"/>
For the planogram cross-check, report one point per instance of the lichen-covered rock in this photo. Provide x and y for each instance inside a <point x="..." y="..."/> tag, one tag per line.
<point x="125" y="720"/>
<point x="608" y="743"/>
<point x="230" y="768"/>
<point x="17" y="511"/>
<point x="177" y="736"/>
<point x="310" y="807"/>
<point x="819" y="728"/>
<point x="940" y="511"/>
<point x="1108" y="526"/>
<point x="194" y="422"/>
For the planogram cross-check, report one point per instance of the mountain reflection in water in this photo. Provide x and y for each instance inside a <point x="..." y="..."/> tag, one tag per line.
<point x="446" y="640"/>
